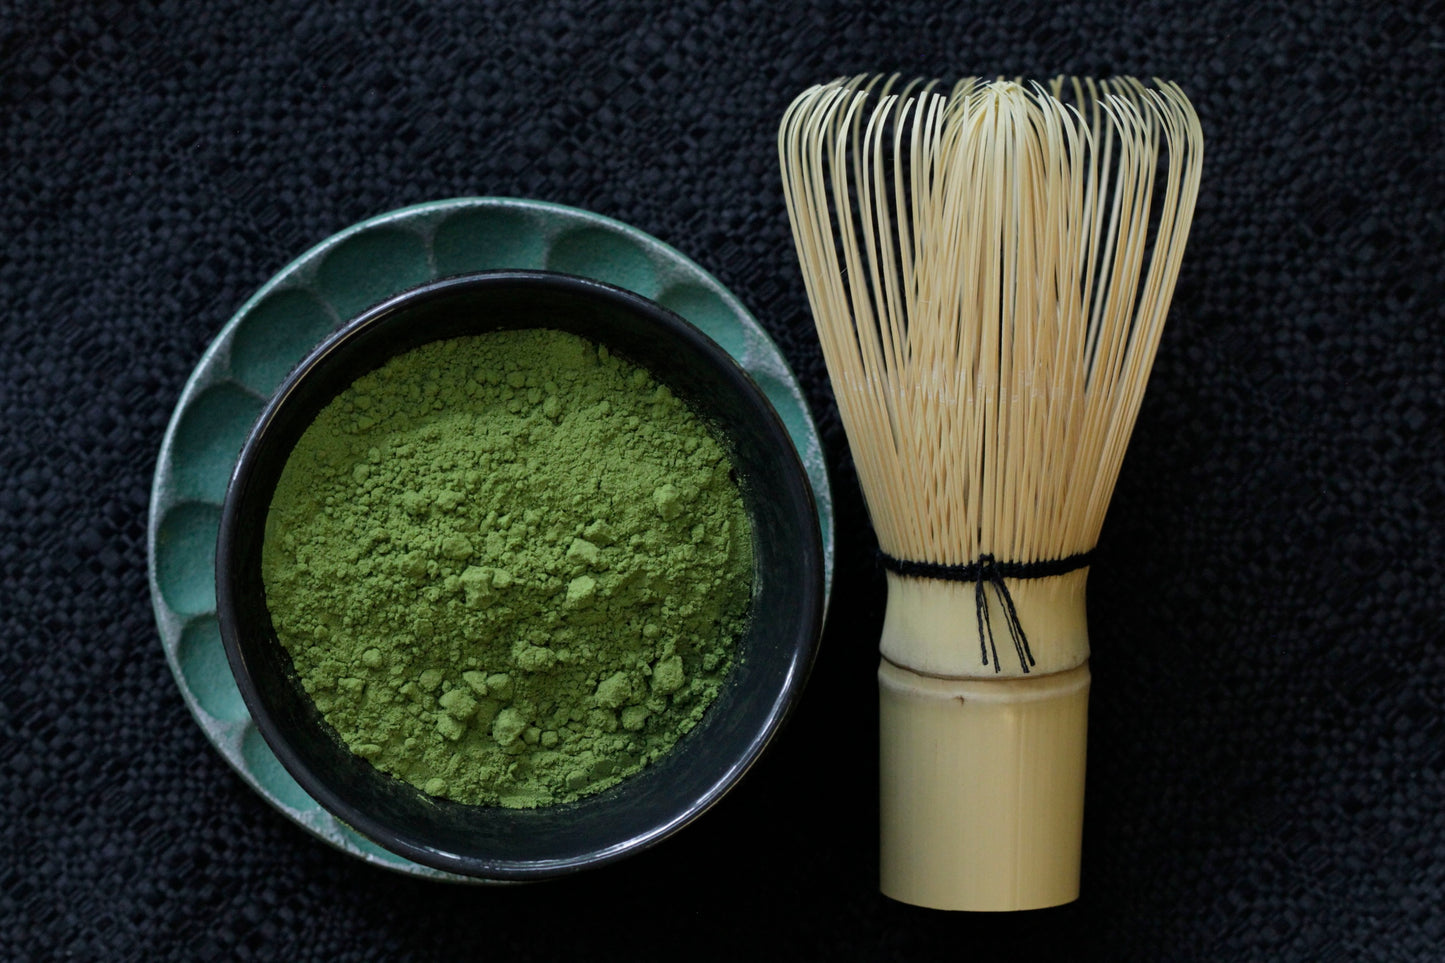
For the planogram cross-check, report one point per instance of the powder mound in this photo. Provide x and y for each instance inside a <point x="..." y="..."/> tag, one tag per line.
<point x="510" y="569"/>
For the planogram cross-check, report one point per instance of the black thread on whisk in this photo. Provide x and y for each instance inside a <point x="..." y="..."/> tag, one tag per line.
<point x="989" y="571"/>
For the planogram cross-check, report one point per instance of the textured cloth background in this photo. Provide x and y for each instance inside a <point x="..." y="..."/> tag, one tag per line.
<point x="1267" y="754"/>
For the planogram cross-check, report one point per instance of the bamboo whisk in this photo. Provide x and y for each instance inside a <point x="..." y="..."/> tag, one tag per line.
<point x="989" y="267"/>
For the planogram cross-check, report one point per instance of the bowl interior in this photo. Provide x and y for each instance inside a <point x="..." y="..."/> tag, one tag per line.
<point x="773" y="656"/>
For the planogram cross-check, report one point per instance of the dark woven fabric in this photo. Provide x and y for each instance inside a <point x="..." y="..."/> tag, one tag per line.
<point x="1267" y="753"/>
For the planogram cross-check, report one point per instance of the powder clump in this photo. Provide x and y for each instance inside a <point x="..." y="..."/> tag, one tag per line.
<point x="510" y="568"/>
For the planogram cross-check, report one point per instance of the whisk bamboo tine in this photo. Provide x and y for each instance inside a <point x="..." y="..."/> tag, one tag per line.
<point x="989" y="265"/>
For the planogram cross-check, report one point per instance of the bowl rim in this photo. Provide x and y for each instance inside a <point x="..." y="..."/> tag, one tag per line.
<point x="783" y="702"/>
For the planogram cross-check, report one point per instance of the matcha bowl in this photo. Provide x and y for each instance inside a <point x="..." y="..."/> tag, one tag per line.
<point x="773" y="651"/>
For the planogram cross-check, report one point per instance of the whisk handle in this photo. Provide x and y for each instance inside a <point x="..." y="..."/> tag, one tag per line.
<point x="982" y="788"/>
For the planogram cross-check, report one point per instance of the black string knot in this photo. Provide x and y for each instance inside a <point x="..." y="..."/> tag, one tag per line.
<point x="986" y="571"/>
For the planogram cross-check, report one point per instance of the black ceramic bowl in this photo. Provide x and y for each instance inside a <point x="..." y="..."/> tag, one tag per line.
<point x="775" y="653"/>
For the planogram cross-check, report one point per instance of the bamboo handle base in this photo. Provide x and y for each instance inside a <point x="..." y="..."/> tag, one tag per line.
<point x="982" y="789"/>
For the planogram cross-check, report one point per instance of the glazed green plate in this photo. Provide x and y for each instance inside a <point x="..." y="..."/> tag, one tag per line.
<point x="325" y="287"/>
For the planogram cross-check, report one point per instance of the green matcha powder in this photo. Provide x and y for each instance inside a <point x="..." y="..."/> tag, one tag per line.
<point x="510" y="568"/>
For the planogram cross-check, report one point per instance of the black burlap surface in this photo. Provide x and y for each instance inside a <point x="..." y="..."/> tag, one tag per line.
<point x="1267" y="754"/>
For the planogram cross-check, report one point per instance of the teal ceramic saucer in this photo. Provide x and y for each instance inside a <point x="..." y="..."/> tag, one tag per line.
<point x="290" y="314"/>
